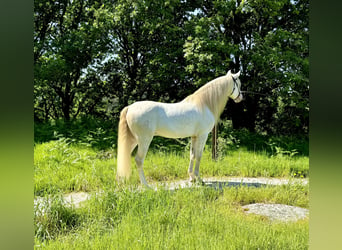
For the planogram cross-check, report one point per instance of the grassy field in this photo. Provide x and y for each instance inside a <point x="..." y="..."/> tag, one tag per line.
<point x="62" y="166"/>
<point x="201" y="218"/>
<point x="128" y="217"/>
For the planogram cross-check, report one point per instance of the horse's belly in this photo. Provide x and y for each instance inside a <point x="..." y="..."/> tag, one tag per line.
<point x="174" y="132"/>
<point x="187" y="125"/>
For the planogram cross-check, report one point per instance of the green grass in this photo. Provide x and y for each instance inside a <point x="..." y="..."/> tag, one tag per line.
<point x="81" y="156"/>
<point x="126" y="217"/>
<point x="165" y="166"/>
<point x="200" y="218"/>
<point x="65" y="166"/>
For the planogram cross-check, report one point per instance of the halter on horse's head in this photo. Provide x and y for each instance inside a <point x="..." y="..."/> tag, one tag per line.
<point x="236" y="93"/>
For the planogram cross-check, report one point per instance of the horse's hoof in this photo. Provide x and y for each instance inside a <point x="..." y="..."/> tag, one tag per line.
<point x="199" y="181"/>
<point x="196" y="180"/>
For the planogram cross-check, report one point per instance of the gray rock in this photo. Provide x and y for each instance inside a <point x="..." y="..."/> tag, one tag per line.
<point x="277" y="211"/>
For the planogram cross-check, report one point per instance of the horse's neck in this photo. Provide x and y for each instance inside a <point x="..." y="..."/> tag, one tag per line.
<point x="213" y="95"/>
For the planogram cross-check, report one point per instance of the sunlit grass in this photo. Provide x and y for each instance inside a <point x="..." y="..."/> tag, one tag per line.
<point x="128" y="217"/>
<point x="201" y="218"/>
<point x="240" y="162"/>
<point x="61" y="165"/>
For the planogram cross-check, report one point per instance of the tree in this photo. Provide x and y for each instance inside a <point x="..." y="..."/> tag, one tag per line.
<point x="268" y="42"/>
<point x="95" y="57"/>
<point x="149" y="36"/>
<point x="69" y="37"/>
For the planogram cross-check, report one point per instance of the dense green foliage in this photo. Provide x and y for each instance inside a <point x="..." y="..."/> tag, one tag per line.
<point x="95" y="57"/>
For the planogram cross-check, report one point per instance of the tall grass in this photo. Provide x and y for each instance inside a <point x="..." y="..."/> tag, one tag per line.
<point x="63" y="166"/>
<point x="128" y="217"/>
<point x="201" y="218"/>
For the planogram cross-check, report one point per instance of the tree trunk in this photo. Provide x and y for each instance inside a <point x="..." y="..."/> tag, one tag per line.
<point x="66" y="109"/>
<point x="66" y="101"/>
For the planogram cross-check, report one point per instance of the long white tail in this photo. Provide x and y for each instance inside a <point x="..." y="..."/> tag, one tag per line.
<point x="126" y="142"/>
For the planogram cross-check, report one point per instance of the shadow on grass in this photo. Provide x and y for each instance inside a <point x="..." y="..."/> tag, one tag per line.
<point x="234" y="182"/>
<point x="222" y="184"/>
<point x="216" y="185"/>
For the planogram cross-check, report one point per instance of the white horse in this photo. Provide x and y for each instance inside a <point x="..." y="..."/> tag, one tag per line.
<point x="193" y="117"/>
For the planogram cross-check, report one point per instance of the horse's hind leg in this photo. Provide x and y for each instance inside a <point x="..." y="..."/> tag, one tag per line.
<point x="192" y="158"/>
<point x="143" y="145"/>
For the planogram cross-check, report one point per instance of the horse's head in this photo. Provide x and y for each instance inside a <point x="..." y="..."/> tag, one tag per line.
<point x="236" y="94"/>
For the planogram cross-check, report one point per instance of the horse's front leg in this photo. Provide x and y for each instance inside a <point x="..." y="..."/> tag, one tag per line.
<point x="198" y="154"/>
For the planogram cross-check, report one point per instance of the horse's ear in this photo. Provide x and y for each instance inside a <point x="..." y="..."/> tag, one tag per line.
<point x="229" y="72"/>
<point x="237" y="74"/>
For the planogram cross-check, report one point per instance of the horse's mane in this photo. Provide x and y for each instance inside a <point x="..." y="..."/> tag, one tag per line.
<point x="213" y="95"/>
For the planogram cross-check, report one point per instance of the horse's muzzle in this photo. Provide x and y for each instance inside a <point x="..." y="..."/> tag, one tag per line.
<point x="238" y="99"/>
